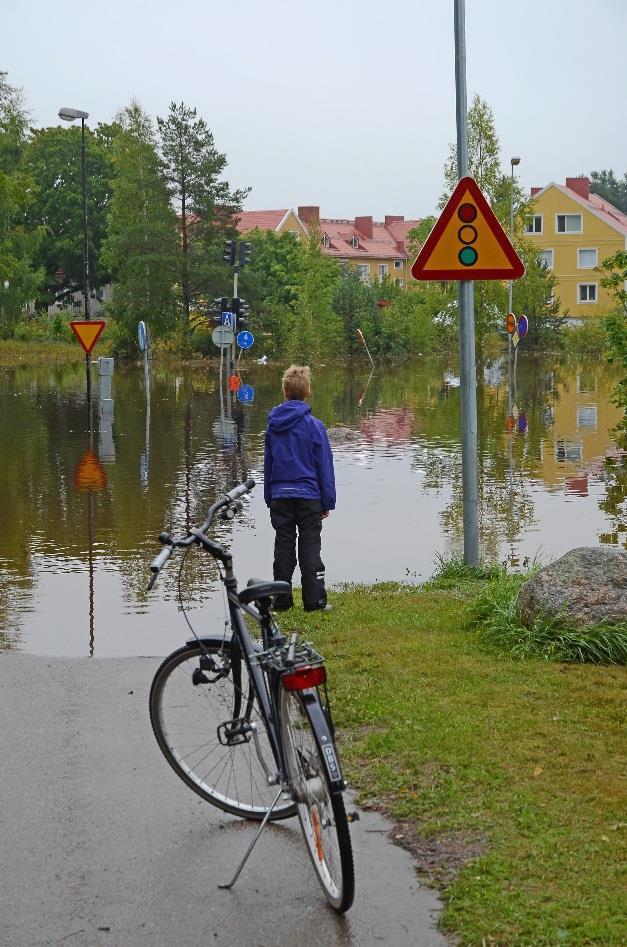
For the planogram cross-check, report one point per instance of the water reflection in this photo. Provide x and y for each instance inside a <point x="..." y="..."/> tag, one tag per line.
<point x="77" y="514"/>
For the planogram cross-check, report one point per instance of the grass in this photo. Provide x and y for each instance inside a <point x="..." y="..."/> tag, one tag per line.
<point x="17" y="352"/>
<point x="508" y="774"/>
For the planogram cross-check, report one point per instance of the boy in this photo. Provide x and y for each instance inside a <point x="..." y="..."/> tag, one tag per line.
<point x="299" y="488"/>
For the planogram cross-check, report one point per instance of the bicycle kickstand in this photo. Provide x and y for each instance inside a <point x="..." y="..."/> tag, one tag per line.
<point x="254" y="841"/>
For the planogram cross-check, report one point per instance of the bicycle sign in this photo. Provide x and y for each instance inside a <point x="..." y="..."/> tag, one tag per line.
<point x="246" y="394"/>
<point x="245" y="339"/>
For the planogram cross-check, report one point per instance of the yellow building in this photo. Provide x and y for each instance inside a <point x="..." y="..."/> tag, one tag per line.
<point x="575" y="231"/>
<point x="377" y="249"/>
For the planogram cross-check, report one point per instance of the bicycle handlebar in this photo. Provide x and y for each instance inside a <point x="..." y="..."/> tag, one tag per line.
<point x="198" y="535"/>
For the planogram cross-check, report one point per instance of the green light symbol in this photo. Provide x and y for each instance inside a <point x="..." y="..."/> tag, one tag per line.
<point x="467" y="234"/>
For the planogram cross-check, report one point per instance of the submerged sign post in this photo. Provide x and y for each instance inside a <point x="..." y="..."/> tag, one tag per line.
<point x="467" y="244"/>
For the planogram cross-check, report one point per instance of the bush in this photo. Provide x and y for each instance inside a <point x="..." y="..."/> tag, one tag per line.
<point x="589" y="338"/>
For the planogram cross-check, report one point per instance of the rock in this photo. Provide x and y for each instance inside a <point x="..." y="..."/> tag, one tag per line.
<point x="342" y="435"/>
<point x="589" y="585"/>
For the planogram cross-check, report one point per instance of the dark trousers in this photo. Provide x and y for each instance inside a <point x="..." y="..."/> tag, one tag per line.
<point x="289" y="517"/>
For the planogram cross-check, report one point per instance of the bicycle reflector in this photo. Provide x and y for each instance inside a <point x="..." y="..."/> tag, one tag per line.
<point x="304" y="677"/>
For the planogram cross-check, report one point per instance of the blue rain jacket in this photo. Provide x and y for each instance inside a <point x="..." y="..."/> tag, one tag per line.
<point x="297" y="456"/>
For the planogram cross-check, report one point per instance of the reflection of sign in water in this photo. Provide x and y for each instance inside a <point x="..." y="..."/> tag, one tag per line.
<point x="88" y="332"/>
<point x="245" y="339"/>
<point x="246" y="394"/>
<point x="222" y="336"/>
<point x="225" y="431"/>
<point x="143" y="469"/>
<point x="89" y="474"/>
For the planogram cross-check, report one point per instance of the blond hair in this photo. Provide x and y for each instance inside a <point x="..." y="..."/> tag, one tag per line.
<point x="296" y="382"/>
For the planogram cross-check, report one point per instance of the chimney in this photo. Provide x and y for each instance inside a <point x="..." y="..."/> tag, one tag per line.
<point x="580" y="186"/>
<point x="393" y="219"/>
<point x="535" y="190"/>
<point x="309" y="215"/>
<point x="364" y="225"/>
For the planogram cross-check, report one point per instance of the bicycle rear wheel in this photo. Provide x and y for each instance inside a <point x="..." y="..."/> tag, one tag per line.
<point x="192" y="710"/>
<point x="321" y="813"/>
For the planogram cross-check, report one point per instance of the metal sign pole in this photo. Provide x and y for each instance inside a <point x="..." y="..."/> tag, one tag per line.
<point x="466" y="321"/>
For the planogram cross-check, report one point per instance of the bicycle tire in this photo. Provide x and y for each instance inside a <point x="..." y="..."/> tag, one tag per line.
<point x="321" y="813"/>
<point x="185" y="718"/>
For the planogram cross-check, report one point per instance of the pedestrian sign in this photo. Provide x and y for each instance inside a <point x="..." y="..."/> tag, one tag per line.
<point x="88" y="332"/>
<point x="227" y="319"/>
<point x="467" y="242"/>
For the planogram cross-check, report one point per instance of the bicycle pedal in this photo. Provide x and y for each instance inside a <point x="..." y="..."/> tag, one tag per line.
<point x="234" y="732"/>
<point x="352" y="816"/>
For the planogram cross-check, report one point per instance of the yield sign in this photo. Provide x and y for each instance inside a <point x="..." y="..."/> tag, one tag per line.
<point x="467" y="242"/>
<point x="89" y="474"/>
<point x="88" y="332"/>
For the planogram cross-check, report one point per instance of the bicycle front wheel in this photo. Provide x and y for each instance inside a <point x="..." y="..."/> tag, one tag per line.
<point x="206" y="720"/>
<point x="321" y="813"/>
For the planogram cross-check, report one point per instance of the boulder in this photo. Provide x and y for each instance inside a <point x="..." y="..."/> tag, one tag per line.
<point x="588" y="585"/>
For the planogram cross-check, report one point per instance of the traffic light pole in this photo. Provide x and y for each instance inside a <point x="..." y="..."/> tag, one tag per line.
<point x="468" y="377"/>
<point x="235" y="277"/>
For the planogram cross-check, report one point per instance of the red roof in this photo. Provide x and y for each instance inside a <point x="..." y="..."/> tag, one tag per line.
<point x="598" y="205"/>
<point x="388" y="240"/>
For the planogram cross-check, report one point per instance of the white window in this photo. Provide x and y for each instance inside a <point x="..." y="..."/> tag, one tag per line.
<point x="382" y="270"/>
<point x="363" y="270"/>
<point x="324" y="240"/>
<point x="398" y="264"/>
<point x="294" y="233"/>
<point x="400" y="283"/>
<point x="546" y="257"/>
<point x="587" y="292"/>
<point x="587" y="259"/>
<point x="534" y="224"/>
<point x="354" y="242"/>
<point x="568" y="223"/>
<point x="587" y="416"/>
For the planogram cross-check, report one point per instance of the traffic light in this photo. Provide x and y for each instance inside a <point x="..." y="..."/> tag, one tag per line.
<point x="219" y="305"/>
<point x="242" y="311"/>
<point x="229" y="252"/>
<point x="245" y="251"/>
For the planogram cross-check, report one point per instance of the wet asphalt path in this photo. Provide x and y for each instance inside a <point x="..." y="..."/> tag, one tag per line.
<point x="101" y="844"/>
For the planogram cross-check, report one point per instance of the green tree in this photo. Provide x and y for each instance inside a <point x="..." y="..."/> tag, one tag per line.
<point x="53" y="159"/>
<point x="614" y="270"/>
<point x="609" y="187"/>
<point x="141" y="247"/>
<point x="19" y="278"/>
<point x="205" y="204"/>
<point x="269" y="285"/>
<point x="316" y="328"/>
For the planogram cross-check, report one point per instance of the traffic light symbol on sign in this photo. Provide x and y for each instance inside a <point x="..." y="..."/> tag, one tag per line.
<point x="467" y="234"/>
<point x="467" y="242"/>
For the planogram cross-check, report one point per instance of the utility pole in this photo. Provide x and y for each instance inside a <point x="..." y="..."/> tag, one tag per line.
<point x="468" y="369"/>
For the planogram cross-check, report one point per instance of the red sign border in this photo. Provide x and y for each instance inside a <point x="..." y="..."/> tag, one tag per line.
<point x="463" y="186"/>
<point x="88" y="322"/>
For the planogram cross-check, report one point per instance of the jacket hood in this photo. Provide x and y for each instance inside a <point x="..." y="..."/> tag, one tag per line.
<point x="286" y="415"/>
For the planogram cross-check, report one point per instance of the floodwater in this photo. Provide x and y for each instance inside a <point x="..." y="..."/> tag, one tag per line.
<point x="81" y="510"/>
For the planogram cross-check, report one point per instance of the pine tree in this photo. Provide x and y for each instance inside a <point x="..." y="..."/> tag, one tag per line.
<point x="205" y="204"/>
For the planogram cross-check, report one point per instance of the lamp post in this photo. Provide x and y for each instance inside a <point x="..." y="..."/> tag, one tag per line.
<point x="513" y="162"/>
<point x="70" y="115"/>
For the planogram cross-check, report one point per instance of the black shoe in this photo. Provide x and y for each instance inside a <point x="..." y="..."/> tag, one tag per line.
<point x="319" y="608"/>
<point x="282" y="605"/>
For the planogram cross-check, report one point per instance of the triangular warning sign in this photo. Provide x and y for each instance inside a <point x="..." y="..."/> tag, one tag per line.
<point x="88" y="332"/>
<point x="467" y="242"/>
<point x="89" y="474"/>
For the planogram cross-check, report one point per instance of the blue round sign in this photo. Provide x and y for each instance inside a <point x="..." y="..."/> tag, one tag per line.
<point x="523" y="326"/>
<point x="141" y="336"/>
<point x="246" y="394"/>
<point x="245" y="339"/>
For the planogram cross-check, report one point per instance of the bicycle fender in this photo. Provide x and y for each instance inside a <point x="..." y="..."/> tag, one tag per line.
<point x="324" y="739"/>
<point x="214" y="642"/>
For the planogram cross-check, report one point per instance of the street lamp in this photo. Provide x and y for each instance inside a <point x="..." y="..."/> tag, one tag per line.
<point x="70" y="115"/>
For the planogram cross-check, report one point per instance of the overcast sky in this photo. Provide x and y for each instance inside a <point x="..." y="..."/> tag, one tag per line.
<point x="347" y="104"/>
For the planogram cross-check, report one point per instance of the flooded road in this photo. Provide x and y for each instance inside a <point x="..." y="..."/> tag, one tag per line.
<point x="81" y="511"/>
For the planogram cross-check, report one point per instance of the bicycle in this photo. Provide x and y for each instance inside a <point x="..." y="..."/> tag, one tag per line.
<point x="246" y="722"/>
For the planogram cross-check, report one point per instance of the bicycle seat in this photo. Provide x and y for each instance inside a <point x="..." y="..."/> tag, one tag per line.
<point x="257" y="590"/>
